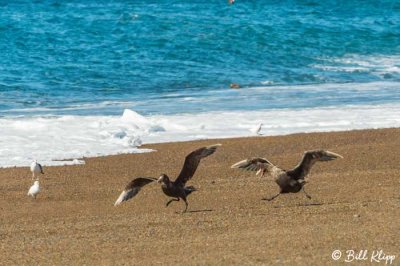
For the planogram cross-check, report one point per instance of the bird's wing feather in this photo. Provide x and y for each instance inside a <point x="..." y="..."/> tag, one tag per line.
<point x="133" y="188"/>
<point x="255" y="164"/>
<point x="192" y="161"/>
<point x="308" y="160"/>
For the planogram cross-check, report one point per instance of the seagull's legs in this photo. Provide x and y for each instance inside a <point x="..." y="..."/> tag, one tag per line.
<point x="33" y="176"/>
<point x="271" y="198"/>
<point x="308" y="196"/>
<point x="166" y="205"/>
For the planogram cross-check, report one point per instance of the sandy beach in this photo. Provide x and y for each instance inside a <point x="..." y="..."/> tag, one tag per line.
<point x="354" y="206"/>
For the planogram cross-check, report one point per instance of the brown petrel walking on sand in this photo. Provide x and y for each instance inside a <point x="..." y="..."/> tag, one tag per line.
<point x="176" y="189"/>
<point x="291" y="181"/>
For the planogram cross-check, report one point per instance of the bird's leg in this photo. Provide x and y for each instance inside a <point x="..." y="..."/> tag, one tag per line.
<point x="166" y="205"/>
<point x="271" y="198"/>
<point x="33" y="176"/>
<point x="186" y="203"/>
<point x="308" y="196"/>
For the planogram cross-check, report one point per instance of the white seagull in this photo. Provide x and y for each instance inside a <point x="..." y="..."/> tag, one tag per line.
<point x="34" y="189"/>
<point x="257" y="129"/>
<point x="36" y="168"/>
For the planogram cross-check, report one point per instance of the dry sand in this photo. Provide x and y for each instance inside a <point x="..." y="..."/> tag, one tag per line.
<point x="73" y="221"/>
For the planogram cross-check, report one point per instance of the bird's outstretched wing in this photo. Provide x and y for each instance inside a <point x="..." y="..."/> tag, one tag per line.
<point x="133" y="188"/>
<point x="192" y="162"/>
<point x="308" y="160"/>
<point x="258" y="164"/>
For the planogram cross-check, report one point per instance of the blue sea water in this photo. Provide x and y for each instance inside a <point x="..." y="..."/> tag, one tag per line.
<point x="170" y="57"/>
<point x="89" y="78"/>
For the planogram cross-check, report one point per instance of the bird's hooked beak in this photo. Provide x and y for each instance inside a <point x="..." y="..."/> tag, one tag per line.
<point x="160" y="179"/>
<point x="329" y="156"/>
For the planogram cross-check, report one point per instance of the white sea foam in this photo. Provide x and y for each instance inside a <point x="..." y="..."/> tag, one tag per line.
<point x="267" y="82"/>
<point x="379" y="65"/>
<point x="75" y="107"/>
<point x="51" y="140"/>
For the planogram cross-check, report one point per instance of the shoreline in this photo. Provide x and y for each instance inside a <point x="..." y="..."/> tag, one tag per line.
<point x="85" y="136"/>
<point x="354" y="206"/>
<point x="142" y="149"/>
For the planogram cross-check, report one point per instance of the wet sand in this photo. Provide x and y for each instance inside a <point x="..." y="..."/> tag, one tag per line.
<point x="355" y="205"/>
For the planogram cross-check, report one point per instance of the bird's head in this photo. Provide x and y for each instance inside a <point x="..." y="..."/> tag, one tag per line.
<point x="321" y="155"/>
<point x="36" y="183"/>
<point x="163" y="179"/>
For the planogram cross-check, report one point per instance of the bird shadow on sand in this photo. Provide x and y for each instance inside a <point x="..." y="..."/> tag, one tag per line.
<point x="310" y="204"/>
<point x="194" y="211"/>
<point x="300" y="205"/>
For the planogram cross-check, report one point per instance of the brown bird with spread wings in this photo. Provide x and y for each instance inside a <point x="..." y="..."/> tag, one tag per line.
<point x="176" y="189"/>
<point x="291" y="181"/>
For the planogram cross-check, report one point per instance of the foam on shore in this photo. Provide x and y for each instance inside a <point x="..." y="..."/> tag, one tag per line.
<point x="60" y="140"/>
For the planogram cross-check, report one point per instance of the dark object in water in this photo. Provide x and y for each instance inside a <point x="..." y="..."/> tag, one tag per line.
<point x="234" y="86"/>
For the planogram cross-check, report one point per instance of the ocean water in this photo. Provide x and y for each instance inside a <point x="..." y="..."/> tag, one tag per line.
<point x="90" y="78"/>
